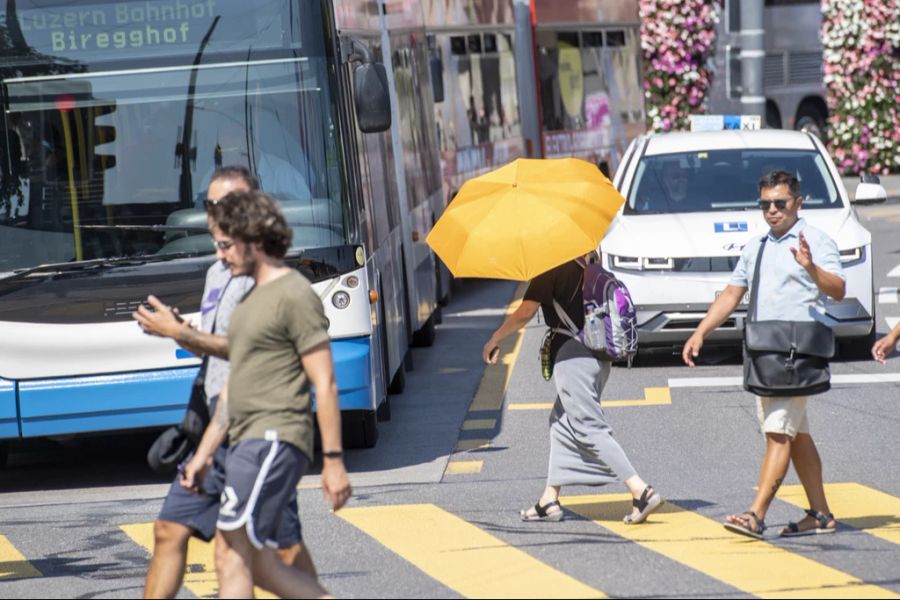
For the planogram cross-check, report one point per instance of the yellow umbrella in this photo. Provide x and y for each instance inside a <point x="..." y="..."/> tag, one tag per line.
<point x="525" y="218"/>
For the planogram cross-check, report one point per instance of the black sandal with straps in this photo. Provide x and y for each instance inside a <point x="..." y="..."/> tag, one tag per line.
<point x="751" y="530"/>
<point x="541" y="513"/>
<point x="822" y="521"/>
<point x="646" y="504"/>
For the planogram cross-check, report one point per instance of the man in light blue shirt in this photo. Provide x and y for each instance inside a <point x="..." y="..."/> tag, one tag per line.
<point x="800" y="266"/>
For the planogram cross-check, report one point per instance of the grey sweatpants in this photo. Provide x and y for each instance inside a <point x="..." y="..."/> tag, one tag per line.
<point x="583" y="450"/>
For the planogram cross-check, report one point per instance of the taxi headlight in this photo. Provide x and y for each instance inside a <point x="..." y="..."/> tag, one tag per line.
<point x="659" y="264"/>
<point x="341" y="300"/>
<point x="851" y="255"/>
<point x="626" y="262"/>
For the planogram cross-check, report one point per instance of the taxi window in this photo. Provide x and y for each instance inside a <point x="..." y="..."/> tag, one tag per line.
<point x="717" y="180"/>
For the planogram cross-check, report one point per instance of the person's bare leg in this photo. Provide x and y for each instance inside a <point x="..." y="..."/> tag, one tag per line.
<point x="166" y="571"/>
<point x="771" y="475"/>
<point x="808" y="465"/>
<point x="234" y="564"/>
<point x="282" y="580"/>
<point x="299" y="557"/>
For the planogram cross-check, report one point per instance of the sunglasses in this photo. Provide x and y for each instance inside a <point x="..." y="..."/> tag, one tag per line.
<point x="780" y="203"/>
<point x="208" y="204"/>
<point x="223" y="244"/>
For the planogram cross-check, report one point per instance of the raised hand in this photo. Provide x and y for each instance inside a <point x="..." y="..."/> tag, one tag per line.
<point x="803" y="255"/>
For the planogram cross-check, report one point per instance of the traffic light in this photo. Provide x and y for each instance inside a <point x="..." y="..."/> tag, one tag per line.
<point x="103" y="136"/>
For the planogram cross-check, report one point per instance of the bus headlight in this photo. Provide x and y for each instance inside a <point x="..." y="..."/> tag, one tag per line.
<point x="341" y="300"/>
<point x="352" y="281"/>
<point x="851" y="255"/>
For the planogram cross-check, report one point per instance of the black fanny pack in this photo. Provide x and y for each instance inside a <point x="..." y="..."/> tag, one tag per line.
<point x="785" y="358"/>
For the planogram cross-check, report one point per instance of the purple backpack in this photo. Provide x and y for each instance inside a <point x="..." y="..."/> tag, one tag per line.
<point x="610" y="323"/>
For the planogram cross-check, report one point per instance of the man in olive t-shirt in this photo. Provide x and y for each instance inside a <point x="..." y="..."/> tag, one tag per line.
<point x="278" y="346"/>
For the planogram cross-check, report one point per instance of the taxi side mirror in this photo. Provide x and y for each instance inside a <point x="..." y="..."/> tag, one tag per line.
<point x="869" y="191"/>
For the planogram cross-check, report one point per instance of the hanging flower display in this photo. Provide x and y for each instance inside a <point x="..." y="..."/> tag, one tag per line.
<point x="677" y="39"/>
<point x="861" y="45"/>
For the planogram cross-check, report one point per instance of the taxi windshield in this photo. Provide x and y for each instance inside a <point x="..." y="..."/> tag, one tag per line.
<point x="722" y="180"/>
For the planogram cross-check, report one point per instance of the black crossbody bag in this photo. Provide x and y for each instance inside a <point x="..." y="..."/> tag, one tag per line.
<point x="784" y="358"/>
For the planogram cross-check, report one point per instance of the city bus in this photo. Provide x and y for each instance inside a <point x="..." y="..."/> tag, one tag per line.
<point x="115" y="114"/>
<point x="583" y="57"/>
<point x="793" y="76"/>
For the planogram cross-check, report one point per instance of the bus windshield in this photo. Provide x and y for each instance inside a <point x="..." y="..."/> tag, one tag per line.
<point x="107" y="154"/>
<point x="717" y="180"/>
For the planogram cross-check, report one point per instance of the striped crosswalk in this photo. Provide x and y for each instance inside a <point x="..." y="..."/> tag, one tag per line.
<point x="470" y="559"/>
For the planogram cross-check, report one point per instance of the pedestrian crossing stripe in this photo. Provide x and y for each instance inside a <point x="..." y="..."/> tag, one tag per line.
<point x="13" y="564"/>
<point x="755" y="567"/>
<point x="200" y="572"/>
<point x="462" y="556"/>
<point x="857" y="506"/>
<point x="655" y="396"/>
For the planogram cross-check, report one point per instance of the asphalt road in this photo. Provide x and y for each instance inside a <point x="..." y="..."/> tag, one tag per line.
<point x="435" y="512"/>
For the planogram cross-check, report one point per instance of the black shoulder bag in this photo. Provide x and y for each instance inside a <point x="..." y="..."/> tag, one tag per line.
<point x="784" y="358"/>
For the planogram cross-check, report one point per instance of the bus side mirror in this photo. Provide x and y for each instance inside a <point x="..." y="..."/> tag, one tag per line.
<point x="437" y="78"/>
<point x="373" y="100"/>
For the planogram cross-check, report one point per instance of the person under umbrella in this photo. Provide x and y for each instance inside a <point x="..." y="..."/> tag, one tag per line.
<point x="535" y="220"/>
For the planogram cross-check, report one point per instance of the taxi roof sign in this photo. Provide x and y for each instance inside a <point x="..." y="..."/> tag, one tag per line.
<point x="722" y="122"/>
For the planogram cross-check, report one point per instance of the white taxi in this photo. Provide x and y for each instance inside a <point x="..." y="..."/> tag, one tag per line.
<point x="691" y="206"/>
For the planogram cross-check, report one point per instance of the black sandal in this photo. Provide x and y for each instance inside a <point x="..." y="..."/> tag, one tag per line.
<point x="541" y="513"/>
<point x="793" y="529"/>
<point x="749" y="529"/>
<point x="646" y="504"/>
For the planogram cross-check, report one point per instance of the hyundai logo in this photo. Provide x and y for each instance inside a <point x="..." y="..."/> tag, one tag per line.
<point x="733" y="246"/>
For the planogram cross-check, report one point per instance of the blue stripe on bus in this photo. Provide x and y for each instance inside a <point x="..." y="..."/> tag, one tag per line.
<point x="353" y="373"/>
<point x="104" y="402"/>
<point x="145" y="399"/>
<point x="9" y="414"/>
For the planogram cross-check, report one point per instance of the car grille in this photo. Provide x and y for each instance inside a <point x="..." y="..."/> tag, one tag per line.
<point x="706" y="264"/>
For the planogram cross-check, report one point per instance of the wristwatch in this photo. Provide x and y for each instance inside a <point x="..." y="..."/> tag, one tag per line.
<point x="333" y="454"/>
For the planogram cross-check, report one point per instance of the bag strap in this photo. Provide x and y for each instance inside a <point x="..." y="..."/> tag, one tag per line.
<point x="751" y="311"/>
<point x="561" y="313"/>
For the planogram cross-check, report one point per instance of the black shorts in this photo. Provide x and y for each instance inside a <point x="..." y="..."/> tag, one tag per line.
<point x="200" y="511"/>
<point x="261" y="478"/>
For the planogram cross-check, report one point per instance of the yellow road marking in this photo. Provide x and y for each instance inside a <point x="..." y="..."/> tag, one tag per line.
<point x="495" y="380"/>
<point x="464" y="467"/>
<point x="461" y="556"/>
<point x="200" y="573"/>
<point x="855" y="505"/>
<point x="476" y="424"/>
<point x="755" y="567"/>
<point x="13" y="564"/>
<point x="656" y="396"/>
<point x="465" y="445"/>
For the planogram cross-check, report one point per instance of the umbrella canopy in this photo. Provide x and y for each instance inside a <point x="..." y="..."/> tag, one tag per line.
<point x="525" y="218"/>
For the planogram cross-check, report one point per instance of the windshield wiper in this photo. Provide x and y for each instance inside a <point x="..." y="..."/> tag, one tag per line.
<point x="51" y="269"/>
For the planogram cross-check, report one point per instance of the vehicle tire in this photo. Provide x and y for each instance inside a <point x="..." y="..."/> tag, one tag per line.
<point x="811" y="120"/>
<point x="360" y="429"/>
<point x="424" y="337"/>
<point x="438" y="315"/>
<point x="858" y="348"/>
<point x="398" y="382"/>
<point x="384" y="411"/>
<point x="4" y="453"/>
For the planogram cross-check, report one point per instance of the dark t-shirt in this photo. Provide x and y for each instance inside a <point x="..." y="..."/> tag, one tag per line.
<point x="562" y="284"/>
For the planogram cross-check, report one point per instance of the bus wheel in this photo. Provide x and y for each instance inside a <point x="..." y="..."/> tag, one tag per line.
<point x="360" y="429"/>
<point x="398" y="382"/>
<point x="424" y="337"/>
<point x="384" y="411"/>
<point x="811" y="120"/>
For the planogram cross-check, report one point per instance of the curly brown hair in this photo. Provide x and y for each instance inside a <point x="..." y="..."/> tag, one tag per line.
<point x="253" y="217"/>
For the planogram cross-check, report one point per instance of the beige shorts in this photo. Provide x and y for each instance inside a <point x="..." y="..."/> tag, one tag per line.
<point x="782" y="415"/>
